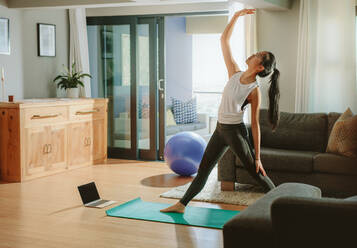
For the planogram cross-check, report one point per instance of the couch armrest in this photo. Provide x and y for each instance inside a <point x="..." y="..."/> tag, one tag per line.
<point x="253" y="226"/>
<point x="308" y="222"/>
<point x="227" y="167"/>
<point x="202" y="118"/>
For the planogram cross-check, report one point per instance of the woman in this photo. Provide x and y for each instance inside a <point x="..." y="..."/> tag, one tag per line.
<point x="231" y="132"/>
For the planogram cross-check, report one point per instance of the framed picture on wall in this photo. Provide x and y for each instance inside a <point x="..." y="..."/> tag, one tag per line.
<point x="46" y="40"/>
<point x="4" y="36"/>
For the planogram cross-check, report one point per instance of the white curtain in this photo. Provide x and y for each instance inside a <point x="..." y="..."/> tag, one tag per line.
<point x="306" y="23"/>
<point x="326" y="66"/>
<point x="79" y="46"/>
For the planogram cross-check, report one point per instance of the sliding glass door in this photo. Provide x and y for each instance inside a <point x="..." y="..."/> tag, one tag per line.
<point x="124" y="60"/>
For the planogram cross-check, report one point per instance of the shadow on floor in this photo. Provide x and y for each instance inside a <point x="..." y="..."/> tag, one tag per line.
<point x="166" y="180"/>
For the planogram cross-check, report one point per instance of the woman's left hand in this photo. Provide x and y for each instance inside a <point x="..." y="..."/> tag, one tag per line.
<point x="243" y="12"/>
<point x="259" y="167"/>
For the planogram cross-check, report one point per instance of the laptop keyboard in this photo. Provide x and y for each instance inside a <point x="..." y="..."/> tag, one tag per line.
<point x="98" y="203"/>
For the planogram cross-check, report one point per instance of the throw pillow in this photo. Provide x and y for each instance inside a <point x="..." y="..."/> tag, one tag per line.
<point x="343" y="137"/>
<point x="184" y="112"/>
<point x="170" y="121"/>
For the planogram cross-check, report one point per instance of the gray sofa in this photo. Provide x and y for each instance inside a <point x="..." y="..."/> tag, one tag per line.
<point x="296" y="153"/>
<point x="200" y="126"/>
<point x="294" y="215"/>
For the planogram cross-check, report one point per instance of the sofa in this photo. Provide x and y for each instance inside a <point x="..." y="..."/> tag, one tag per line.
<point x="294" y="215"/>
<point x="295" y="152"/>
<point x="200" y="127"/>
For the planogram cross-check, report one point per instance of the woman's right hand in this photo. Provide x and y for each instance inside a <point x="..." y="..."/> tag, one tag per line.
<point x="245" y="12"/>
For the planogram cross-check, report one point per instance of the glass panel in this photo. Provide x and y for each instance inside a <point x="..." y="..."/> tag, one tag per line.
<point x="143" y="82"/>
<point x="109" y="58"/>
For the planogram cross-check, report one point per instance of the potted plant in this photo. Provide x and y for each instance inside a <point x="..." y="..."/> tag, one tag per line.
<point x="69" y="81"/>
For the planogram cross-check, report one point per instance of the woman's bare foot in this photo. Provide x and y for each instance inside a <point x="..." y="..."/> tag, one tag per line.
<point x="177" y="208"/>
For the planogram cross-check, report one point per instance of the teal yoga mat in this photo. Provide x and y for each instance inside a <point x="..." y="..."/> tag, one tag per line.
<point x="193" y="216"/>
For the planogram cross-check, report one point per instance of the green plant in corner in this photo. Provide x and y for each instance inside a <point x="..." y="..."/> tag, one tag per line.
<point x="69" y="80"/>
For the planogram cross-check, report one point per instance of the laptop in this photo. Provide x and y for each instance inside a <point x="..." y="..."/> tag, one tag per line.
<point x="90" y="196"/>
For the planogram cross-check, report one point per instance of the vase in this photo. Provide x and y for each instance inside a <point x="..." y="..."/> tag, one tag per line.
<point x="72" y="92"/>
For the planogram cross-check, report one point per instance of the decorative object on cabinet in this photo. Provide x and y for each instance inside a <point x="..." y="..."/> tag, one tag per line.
<point x="70" y="80"/>
<point x="40" y="137"/>
<point x="4" y="36"/>
<point x="46" y="40"/>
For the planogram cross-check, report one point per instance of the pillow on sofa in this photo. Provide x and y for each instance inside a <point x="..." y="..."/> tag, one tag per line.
<point x="184" y="112"/>
<point x="170" y="121"/>
<point x="343" y="137"/>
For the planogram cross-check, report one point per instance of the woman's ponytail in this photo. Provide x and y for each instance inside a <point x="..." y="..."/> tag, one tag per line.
<point x="274" y="95"/>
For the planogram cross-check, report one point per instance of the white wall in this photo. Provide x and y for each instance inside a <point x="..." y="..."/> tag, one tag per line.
<point x="40" y="71"/>
<point x="26" y="74"/>
<point x="13" y="63"/>
<point x="278" y="33"/>
<point x="178" y="65"/>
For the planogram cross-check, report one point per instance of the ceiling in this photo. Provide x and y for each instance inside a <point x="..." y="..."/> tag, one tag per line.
<point x="64" y="4"/>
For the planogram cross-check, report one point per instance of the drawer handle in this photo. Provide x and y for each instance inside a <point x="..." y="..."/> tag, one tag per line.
<point x="44" y="116"/>
<point x="87" y="112"/>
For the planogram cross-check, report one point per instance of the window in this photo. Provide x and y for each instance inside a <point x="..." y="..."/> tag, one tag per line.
<point x="209" y="72"/>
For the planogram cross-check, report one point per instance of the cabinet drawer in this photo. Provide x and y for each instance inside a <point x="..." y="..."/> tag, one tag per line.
<point x="47" y="115"/>
<point x="84" y="112"/>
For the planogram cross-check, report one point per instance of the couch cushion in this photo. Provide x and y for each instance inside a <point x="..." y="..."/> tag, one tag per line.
<point x="352" y="198"/>
<point x="332" y="118"/>
<point x="343" y="138"/>
<point x="305" y="132"/>
<point x="285" y="160"/>
<point x="335" y="164"/>
<point x="184" y="111"/>
<point x="170" y="130"/>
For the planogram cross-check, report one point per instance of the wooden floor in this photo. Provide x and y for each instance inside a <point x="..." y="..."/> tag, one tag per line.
<point x="48" y="212"/>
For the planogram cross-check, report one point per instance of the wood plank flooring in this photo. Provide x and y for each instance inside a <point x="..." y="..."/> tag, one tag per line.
<point x="48" y="212"/>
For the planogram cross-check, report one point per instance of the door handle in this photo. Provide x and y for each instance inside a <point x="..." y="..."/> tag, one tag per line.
<point x="159" y="86"/>
<point x="87" y="141"/>
<point x="45" y="149"/>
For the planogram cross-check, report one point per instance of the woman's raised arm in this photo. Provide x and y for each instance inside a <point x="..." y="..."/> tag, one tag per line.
<point x="231" y="64"/>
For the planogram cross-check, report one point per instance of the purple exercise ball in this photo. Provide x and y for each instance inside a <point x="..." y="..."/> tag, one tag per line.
<point x="183" y="153"/>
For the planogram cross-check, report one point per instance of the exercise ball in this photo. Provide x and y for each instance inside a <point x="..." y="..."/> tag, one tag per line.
<point x="183" y="153"/>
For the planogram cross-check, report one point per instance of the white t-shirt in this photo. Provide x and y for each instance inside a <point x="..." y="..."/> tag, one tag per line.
<point x="233" y="97"/>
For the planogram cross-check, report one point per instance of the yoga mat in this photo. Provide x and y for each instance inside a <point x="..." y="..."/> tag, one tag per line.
<point x="193" y="216"/>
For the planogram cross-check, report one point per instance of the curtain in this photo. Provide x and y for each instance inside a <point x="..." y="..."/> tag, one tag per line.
<point x="306" y="22"/>
<point x="79" y="46"/>
<point x="326" y="63"/>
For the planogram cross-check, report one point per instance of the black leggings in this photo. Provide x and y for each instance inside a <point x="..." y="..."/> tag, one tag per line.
<point x="235" y="137"/>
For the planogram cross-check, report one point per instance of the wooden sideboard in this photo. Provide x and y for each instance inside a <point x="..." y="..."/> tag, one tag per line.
<point x="40" y="137"/>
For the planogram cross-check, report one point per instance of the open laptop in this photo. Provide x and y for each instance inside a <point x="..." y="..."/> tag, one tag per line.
<point x="90" y="196"/>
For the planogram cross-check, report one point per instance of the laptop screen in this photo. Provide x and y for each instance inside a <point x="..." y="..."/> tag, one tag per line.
<point x="88" y="192"/>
